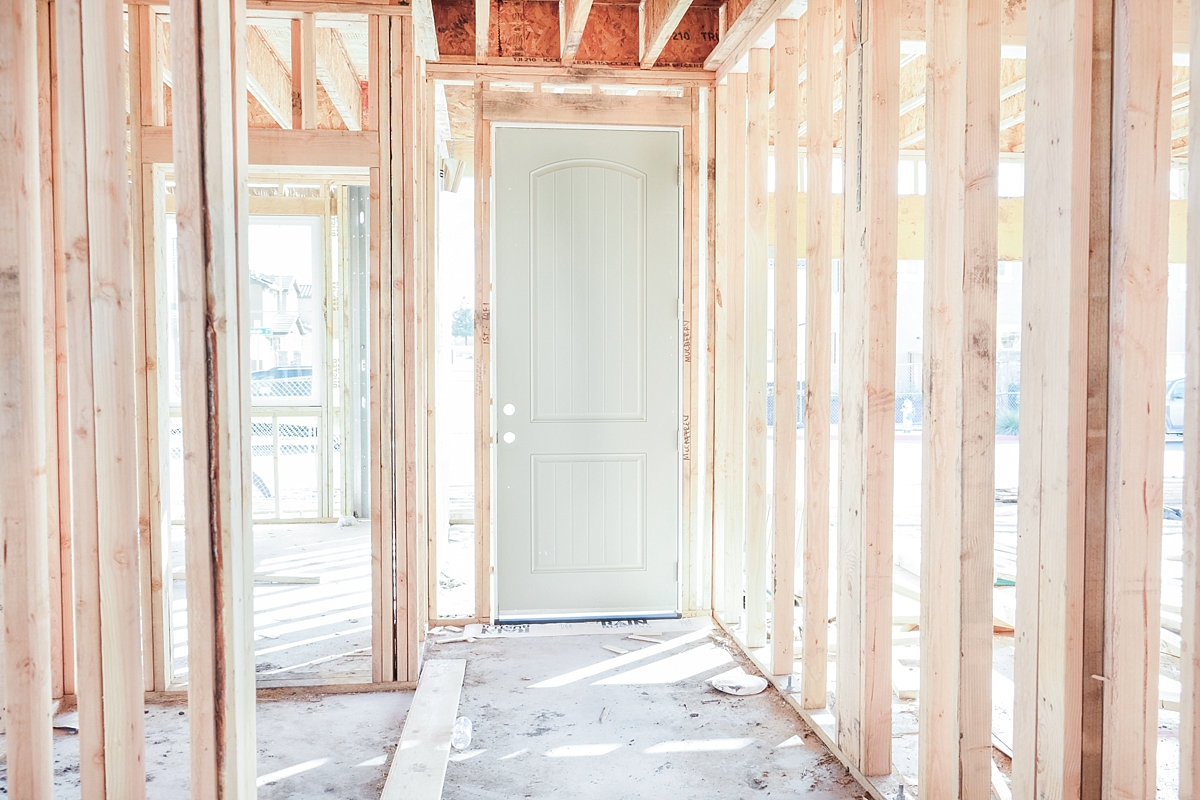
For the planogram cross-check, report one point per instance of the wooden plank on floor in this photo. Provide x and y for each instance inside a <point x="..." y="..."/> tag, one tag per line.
<point x="787" y="246"/>
<point x="419" y="767"/>
<point x="867" y="398"/>
<point x="818" y="333"/>
<point x="210" y="168"/>
<point x="958" y="431"/>
<point x="1141" y="151"/>
<point x="758" y="135"/>
<point x="24" y="580"/>
<point x="1053" y="430"/>
<point x="1189" y="662"/>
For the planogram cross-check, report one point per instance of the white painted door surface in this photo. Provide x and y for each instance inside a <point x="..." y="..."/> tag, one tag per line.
<point x="586" y="323"/>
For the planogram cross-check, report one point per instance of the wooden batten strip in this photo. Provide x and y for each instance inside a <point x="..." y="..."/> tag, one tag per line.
<point x="787" y="256"/>
<point x="483" y="357"/>
<point x="25" y="687"/>
<point x="210" y="169"/>
<point x="818" y="334"/>
<point x="867" y="397"/>
<point x="1137" y="391"/>
<point x="958" y="461"/>
<point x="1189" y="700"/>
<point x="758" y="134"/>
<point x="734" y="298"/>
<point x="586" y="109"/>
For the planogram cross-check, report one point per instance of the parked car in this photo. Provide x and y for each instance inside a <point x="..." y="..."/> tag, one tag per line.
<point x="1175" y="407"/>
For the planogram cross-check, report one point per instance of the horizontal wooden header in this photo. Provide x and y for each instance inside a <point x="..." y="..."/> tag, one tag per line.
<point x="294" y="8"/>
<point x="272" y="147"/>
<point x="587" y="109"/>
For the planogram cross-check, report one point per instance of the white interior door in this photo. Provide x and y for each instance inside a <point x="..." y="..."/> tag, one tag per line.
<point x="586" y="330"/>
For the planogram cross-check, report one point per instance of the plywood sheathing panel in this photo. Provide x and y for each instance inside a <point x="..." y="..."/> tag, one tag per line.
<point x="694" y="39"/>
<point x="455" y="22"/>
<point x="525" y="30"/>
<point x="611" y="36"/>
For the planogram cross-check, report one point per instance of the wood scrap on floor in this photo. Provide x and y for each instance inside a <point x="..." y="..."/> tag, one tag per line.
<point x="419" y="767"/>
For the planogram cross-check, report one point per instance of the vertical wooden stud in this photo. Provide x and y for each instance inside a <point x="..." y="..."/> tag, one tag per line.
<point x="101" y="375"/>
<point x="1189" y="662"/>
<point x="1137" y="390"/>
<point x="758" y="135"/>
<point x="734" y="298"/>
<point x="691" y="558"/>
<point x="210" y="174"/>
<point x="867" y="398"/>
<point x="709" y="598"/>
<point x="818" y="330"/>
<point x="24" y="585"/>
<point x="1054" y="398"/>
<point x="304" y="72"/>
<point x="787" y="255"/>
<point x="721" y="421"/>
<point x="483" y="356"/>
<point x="958" y="430"/>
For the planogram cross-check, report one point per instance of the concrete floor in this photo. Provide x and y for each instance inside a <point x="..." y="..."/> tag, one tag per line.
<point x="552" y="720"/>
<point x="310" y="745"/>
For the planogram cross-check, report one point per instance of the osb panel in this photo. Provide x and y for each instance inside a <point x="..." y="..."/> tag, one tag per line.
<point x="610" y="36"/>
<point x="455" y="23"/>
<point x="694" y="39"/>
<point x="734" y="9"/>
<point x="327" y="114"/>
<point x="526" y="30"/>
<point x="258" y="116"/>
<point x="460" y="107"/>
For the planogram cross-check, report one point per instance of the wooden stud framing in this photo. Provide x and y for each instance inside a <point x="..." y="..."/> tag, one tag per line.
<point x="1189" y="661"/>
<point x="586" y="108"/>
<point x="787" y="247"/>
<point x="483" y="13"/>
<point x="25" y="650"/>
<point x="304" y="72"/>
<point x="150" y="332"/>
<point x="712" y="550"/>
<point x="693" y="557"/>
<point x="58" y="479"/>
<point x="1053" y="424"/>
<point x="483" y="357"/>
<point x="383" y="455"/>
<point x="426" y="30"/>
<point x="1137" y="390"/>
<point x="734" y="404"/>
<point x="101" y="377"/>
<point x="659" y="20"/>
<point x="758" y="136"/>
<point x="958" y="430"/>
<point x="210" y="170"/>
<point x="740" y="34"/>
<point x="722" y="423"/>
<point x="818" y="333"/>
<point x="867" y="397"/>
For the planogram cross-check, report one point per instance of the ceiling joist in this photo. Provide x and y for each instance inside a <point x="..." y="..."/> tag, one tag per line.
<point x="660" y="19"/>
<point x="425" y="29"/>
<point x="573" y="21"/>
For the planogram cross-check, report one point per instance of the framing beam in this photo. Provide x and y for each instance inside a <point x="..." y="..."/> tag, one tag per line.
<point x="742" y="33"/>
<point x="868" y="400"/>
<point x="102" y="391"/>
<point x="722" y="426"/>
<point x="787" y="256"/>
<point x="958" y="430"/>
<point x="25" y="687"/>
<point x="210" y="191"/>
<point x="1141" y="151"/>
<point x="483" y="358"/>
<point x="425" y="29"/>
<point x="818" y="334"/>
<point x="571" y="24"/>
<point x="336" y="73"/>
<point x="659" y="20"/>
